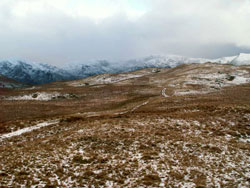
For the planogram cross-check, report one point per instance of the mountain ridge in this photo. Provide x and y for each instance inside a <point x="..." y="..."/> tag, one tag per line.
<point x="41" y="73"/>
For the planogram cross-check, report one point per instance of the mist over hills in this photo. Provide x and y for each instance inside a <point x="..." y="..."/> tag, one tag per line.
<point x="41" y="73"/>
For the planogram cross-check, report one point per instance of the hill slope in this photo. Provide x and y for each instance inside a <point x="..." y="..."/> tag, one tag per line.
<point x="9" y="83"/>
<point x="186" y="126"/>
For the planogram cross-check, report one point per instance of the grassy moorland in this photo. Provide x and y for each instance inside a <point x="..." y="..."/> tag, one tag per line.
<point x="182" y="127"/>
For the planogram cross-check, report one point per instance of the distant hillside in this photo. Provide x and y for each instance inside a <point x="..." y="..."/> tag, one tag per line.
<point x="9" y="83"/>
<point x="39" y="73"/>
<point x="33" y="73"/>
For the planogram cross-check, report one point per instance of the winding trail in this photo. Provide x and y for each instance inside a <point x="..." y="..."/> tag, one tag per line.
<point x="28" y="129"/>
<point x="133" y="109"/>
<point x="138" y="106"/>
<point x="48" y="123"/>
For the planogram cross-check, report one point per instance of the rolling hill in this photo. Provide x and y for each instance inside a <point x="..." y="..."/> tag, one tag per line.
<point x="9" y="83"/>
<point x="186" y="126"/>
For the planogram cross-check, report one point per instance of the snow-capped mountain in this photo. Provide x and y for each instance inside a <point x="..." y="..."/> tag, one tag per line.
<point x="104" y="66"/>
<point x="154" y="61"/>
<point x="38" y="73"/>
<point x="159" y="61"/>
<point x="170" y="61"/>
<point x="92" y="68"/>
<point x="33" y="73"/>
<point x="241" y="59"/>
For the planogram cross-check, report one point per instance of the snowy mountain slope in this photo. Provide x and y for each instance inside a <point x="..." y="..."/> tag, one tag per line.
<point x="154" y="61"/>
<point x="33" y="73"/>
<point x="174" y="60"/>
<point x="38" y="73"/>
<point x="242" y="59"/>
<point x="224" y="60"/>
<point x="158" y="61"/>
<point x="103" y="66"/>
<point x="92" y="68"/>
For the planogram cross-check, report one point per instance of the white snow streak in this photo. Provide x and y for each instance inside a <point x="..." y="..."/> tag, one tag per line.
<point x="133" y="109"/>
<point x="27" y="129"/>
<point x="163" y="92"/>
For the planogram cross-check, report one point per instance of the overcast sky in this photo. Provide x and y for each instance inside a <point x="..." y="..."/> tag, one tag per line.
<point x="64" y="31"/>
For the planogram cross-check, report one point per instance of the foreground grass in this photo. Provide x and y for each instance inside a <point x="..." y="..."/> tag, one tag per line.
<point x="135" y="149"/>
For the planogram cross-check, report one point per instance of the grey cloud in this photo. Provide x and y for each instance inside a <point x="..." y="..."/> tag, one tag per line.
<point x="189" y="28"/>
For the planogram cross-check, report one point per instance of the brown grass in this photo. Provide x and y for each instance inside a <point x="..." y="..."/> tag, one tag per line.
<point x="169" y="142"/>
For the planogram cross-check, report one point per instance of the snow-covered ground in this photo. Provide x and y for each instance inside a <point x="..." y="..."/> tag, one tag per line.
<point x="221" y="79"/>
<point x="188" y="92"/>
<point x="186" y="158"/>
<point x="105" y="79"/>
<point x="40" y="96"/>
<point x="108" y="78"/>
<point x="210" y="81"/>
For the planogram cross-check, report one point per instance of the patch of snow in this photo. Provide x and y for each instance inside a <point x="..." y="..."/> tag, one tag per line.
<point x="136" y="107"/>
<point x="163" y="92"/>
<point x="209" y="81"/>
<point x="33" y="87"/>
<point x="39" y="96"/>
<point x="27" y="129"/>
<point x="242" y="59"/>
<point x="224" y="60"/>
<point x="114" y="79"/>
<point x="189" y="92"/>
<point x="191" y="111"/>
<point x="172" y="85"/>
<point x="240" y="80"/>
<point x="245" y="140"/>
<point x="196" y="123"/>
<point x="107" y="79"/>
